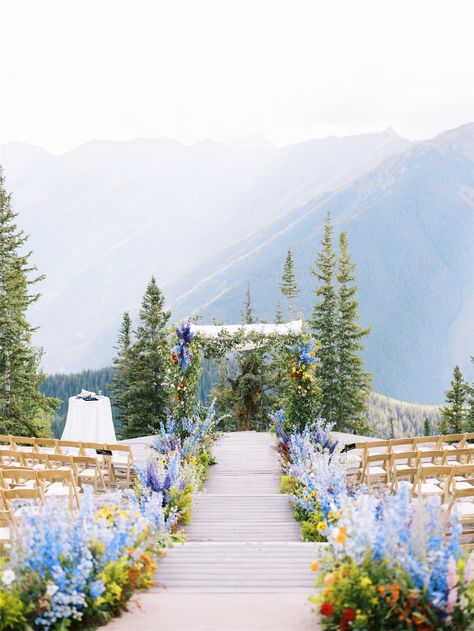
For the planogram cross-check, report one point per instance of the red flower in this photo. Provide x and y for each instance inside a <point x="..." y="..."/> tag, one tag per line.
<point x="327" y="609"/>
<point x="348" y="614"/>
<point x="292" y="376"/>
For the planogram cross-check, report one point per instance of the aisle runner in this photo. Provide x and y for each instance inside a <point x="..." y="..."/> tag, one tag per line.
<point x="244" y="566"/>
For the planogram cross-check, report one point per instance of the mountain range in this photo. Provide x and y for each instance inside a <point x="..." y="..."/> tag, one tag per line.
<point x="206" y="219"/>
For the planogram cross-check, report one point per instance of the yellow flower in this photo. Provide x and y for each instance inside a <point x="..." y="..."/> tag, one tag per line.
<point x="314" y="566"/>
<point x="321" y="526"/>
<point x="365" y="581"/>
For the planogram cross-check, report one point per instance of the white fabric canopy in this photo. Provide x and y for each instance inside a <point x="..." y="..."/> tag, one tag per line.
<point x="89" y="421"/>
<point x="210" y="330"/>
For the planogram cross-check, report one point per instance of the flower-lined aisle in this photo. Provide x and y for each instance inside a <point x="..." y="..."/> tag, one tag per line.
<point x="76" y="570"/>
<point x="392" y="563"/>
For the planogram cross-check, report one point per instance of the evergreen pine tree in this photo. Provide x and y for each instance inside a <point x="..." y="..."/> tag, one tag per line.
<point x="324" y="325"/>
<point x="353" y="383"/>
<point x="278" y="314"/>
<point x="469" y="422"/>
<point x="148" y="396"/>
<point x="23" y="409"/>
<point x="454" y="412"/>
<point x="426" y="427"/>
<point x="248" y="316"/>
<point x="288" y="285"/>
<point x="120" y="385"/>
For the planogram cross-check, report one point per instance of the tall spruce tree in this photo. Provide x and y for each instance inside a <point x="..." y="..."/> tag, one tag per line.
<point x="248" y="316"/>
<point x="454" y="411"/>
<point x="324" y="325"/>
<point x="23" y="409"/>
<point x="426" y="427"/>
<point x="288" y="285"/>
<point x="120" y="385"/>
<point x="278" y="314"/>
<point x="353" y="383"/>
<point x="148" y="396"/>
<point x="469" y="421"/>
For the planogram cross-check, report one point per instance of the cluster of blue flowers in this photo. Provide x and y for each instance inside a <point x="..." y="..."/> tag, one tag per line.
<point x="57" y="548"/>
<point x="182" y="351"/>
<point x="404" y="533"/>
<point x="185" y="435"/>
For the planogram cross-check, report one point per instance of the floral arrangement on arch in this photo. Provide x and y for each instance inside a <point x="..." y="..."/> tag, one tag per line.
<point x="185" y="371"/>
<point x="301" y="388"/>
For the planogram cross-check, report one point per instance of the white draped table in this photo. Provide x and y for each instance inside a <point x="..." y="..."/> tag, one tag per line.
<point x="89" y="421"/>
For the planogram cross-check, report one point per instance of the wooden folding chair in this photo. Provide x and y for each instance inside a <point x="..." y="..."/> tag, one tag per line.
<point x="61" y="462"/>
<point x="11" y="458"/>
<point x="468" y="440"/>
<point x="36" y="460"/>
<point x="426" y="443"/>
<point x="459" y="456"/>
<point x="431" y="481"/>
<point x="401" y="444"/>
<point x="9" y="532"/>
<point x="403" y="466"/>
<point x="121" y="463"/>
<point x="15" y="501"/>
<point x="461" y="477"/>
<point x="70" y="448"/>
<point x="89" y="471"/>
<point x="18" y="478"/>
<point x="462" y="505"/>
<point x="376" y="468"/>
<point x="23" y="443"/>
<point x="47" y="445"/>
<point x="450" y="441"/>
<point x="59" y="483"/>
<point x="5" y="442"/>
<point x="431" y="458"/>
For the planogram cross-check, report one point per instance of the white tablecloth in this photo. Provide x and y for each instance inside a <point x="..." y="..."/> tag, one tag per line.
<point x="89" y="421"/>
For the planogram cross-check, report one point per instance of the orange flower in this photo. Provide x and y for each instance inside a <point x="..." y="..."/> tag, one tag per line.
<point x="330" y="578"/>
<point x="314" y="566"/>
<point x="341" y="535"/>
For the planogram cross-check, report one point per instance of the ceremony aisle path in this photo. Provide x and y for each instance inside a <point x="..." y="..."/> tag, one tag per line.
<point x="243" y="566"/>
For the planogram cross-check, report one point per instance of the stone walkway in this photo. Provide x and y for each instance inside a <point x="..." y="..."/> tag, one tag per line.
<point x="244" y="566"/>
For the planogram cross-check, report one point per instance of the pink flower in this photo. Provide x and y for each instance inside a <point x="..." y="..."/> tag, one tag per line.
<point x="452" y="599"/>
<point x="469" y="570"/>
<point x="452" y="577"/>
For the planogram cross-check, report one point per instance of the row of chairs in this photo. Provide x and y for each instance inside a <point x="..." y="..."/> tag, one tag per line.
<point x="389" y="467"/>
<point x="417" y="443"/>
<point x="116" y="460"/>
<point x="24" y="491"/>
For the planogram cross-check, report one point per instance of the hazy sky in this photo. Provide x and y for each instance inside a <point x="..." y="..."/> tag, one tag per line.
<point x="75" y="70"/>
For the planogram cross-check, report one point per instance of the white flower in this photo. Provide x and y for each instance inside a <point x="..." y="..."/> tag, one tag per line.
<point x="51" y="589"/>
<point x="8" y="577"/>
